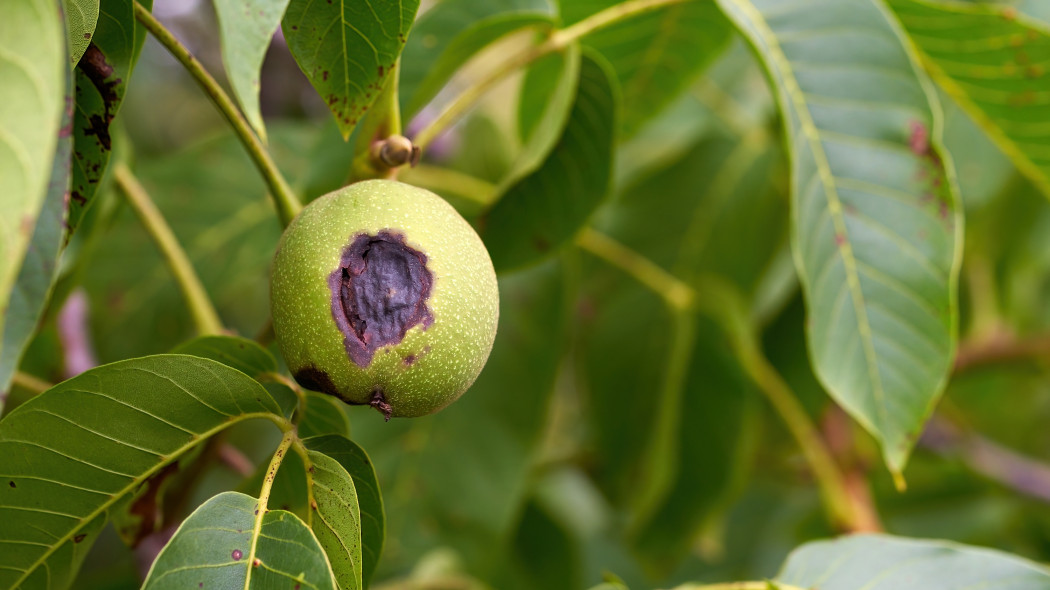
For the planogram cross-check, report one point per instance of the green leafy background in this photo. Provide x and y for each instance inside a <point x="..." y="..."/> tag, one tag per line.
<point x="612" y="435"/>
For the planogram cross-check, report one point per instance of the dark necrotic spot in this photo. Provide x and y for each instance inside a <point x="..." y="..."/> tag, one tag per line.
<point x="315" y="379"/>
<point x="379" y="292"/>
<point x="12" y="484"/>
<point x="80" y="537"/>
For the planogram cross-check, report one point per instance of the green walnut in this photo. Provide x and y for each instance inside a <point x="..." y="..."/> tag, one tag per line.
<point x="382" y="294"/>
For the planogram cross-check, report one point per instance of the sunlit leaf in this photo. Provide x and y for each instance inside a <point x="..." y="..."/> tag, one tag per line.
<point x="246" y="28"/>
<point x="81" y="18"/>
<point x="347" y="49"/>
<point x="213" y="548"/>
<point x="992" y="59"/>
<point x="876" y="223"/>
<point x="32" y="288"/>
<point x="545" y="209"/>
<point x="70" y="454"/>
<point x="33" y="69"/>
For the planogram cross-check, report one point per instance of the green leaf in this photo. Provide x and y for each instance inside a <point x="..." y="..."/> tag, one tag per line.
<point x="355" y="461"/>
<point x="101" y="80"/>
<point x="441" y="27"/>
<point x="233" y="351"/>
<point x="212" y="549"/>
<point x="876" y="223"/>
<point x="864" y="561"/>
<point x="545" y="209"/>
<point x="81" y="18"/>
<point x="655" y="55"/>
<point x="347" y="49"/>
<point x="548" y="95"/>
<point x="472" y="40"/>
<point x="336" y="519"/>
<point x="70" y="454"/>
<point x="32" y="289"/>
<point x="992" y="59"/>
<point x="33" y="69"/>
<point x="246" y="28"/>
<point x="324" y="415"/>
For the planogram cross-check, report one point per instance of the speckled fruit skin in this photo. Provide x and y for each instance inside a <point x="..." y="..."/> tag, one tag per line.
<point x="430" y="368"/>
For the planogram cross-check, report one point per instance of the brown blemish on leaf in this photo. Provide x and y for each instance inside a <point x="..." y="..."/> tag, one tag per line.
<point x="12" y="484"/>
<point x="919" y="138"/>
<point x="79" y="538"/>
<point x="100" y="129"/>
<point x="147" y="506"/>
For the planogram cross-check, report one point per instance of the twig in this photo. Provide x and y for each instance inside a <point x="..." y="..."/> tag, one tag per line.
<point x="1001" y="348"/>
<point x="200" y="306"/>
<point x="725" y="305"/>
<point x="1023" y="474"/>
<point x="676" y="293"/>
<point x="233" y="458"/>
<point x="30" y="382"/>
<point x="288" y="205"/>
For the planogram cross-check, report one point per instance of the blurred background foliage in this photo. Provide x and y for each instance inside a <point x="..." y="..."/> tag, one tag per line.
<point x="576" y="454"/>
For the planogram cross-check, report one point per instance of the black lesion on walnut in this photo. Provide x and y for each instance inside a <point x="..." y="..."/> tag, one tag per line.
<point x="379" y="292"/>
<point x="315" y="379"/>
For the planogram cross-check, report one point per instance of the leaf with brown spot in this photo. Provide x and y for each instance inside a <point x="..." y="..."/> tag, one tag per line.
<point x="355" y="43"/>
<point x="101" y="81"/>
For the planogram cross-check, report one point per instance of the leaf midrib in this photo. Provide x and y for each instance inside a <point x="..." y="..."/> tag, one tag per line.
<point x="131" y="486"/>
<point x="845" y="250"/>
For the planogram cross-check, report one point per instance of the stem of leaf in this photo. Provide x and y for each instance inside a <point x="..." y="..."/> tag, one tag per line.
<point x="30" y="382"/>
<point x="288" y="205"/>
<point x="724" y="304"/>
<point x="677" y="294"/>
<point x="289" y="437"/>
<point x="556" y="41"/>
<point x="204" y="315"/>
